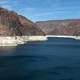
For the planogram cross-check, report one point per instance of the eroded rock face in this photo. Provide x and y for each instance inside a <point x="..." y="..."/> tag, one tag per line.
<point x="12" y="24"/>
<point x="9" y="23"/>
<point x="29" y="28"/>
<point x="16" y="29"/>
<point x="60" y="27"/>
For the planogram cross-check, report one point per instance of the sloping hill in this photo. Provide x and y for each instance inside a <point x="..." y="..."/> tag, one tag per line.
<point x="12" y="24"/>
<point x="60" y="27"/>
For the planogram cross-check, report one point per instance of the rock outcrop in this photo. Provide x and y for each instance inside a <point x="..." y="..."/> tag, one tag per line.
<point x="60" y="27"/>
<point x="16" y="29"/>
<point x="9" y="23"/>
<point x="28" y="27"/>
<point x="12" y="24"/>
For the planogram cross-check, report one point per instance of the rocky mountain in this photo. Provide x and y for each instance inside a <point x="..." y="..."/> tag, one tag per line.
<point x="60" y="27"/>
<point x="28" y="27"/>
<point x="12" y="24"/>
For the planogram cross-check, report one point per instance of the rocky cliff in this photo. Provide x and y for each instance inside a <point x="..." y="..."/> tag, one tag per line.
<point x="9" y="23"/>
<point x="28" y="27"/>
<point x="16" y="29"/>
<point x="60" y="27"/>
<point x="12" y="24"/>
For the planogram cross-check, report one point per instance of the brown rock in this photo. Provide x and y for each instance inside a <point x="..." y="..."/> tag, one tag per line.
<point x="12" y="24"/>
<point x="60" y="27"/>
<point x="29" y="28"/>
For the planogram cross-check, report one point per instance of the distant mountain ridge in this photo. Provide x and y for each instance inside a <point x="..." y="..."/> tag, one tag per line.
<point x="60" y="27"/>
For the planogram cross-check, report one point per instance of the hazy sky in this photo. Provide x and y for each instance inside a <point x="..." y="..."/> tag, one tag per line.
<point x="44" y="9"/>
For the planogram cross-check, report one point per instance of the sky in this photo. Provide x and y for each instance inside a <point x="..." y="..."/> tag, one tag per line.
<point x="42" y="10"/>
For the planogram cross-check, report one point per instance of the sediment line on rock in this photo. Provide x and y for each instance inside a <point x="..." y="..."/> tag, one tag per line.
<point x="14" y="41"/>
<point x="64" y="36"/>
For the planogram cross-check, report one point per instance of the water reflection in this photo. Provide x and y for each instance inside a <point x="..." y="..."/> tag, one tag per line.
<point x="7" y="50"/>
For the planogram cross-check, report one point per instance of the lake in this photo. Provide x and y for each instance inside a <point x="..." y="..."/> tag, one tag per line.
<point x="55" y="59"/>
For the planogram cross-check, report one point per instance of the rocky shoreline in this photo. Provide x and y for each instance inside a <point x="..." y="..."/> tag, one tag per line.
<point x="64" y="36"/>
<point x="16" y="29"/>
<point x="14" y="41"/>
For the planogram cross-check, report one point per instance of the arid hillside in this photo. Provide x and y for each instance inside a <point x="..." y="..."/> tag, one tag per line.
<point x="12" y="24"/>
<point x="60" y="27"/>
<point x="28" y="27"/>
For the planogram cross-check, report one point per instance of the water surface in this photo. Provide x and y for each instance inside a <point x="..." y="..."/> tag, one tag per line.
<point x="55" y="59"/>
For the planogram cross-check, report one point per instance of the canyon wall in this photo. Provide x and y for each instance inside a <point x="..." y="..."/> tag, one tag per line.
<point x="16" y="29"/>
<point x="60" y="27"/>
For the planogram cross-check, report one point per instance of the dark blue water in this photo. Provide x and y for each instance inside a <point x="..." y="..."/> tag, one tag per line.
<point x="55" y="59"/>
